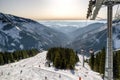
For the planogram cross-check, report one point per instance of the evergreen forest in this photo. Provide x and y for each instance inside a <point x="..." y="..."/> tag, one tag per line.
<point x="97" y="63"/>
<point x="62" y="58"/>
<point x="9" y="57"/>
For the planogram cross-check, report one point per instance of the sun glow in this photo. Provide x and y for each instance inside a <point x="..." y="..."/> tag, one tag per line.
<point x="46" y="9"/>
<point x="64" y="8"/>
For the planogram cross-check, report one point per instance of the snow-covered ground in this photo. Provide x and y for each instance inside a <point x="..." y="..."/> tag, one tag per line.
<point x="34" y="69"/>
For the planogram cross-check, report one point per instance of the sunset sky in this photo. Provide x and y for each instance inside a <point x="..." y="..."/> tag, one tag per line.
<point x="48" y="9"/>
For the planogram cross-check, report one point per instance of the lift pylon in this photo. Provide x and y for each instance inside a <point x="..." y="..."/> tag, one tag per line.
<point x="109" y="52"/>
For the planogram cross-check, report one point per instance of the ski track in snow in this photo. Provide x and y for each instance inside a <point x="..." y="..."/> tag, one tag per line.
<point x="34" y="69"/>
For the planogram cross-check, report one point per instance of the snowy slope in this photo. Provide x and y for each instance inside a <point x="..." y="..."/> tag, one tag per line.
<point x="34" y="69"/>
<point x="116" y="36"/>
<point x="18" y="33"/>
<point x="96" y="37"/>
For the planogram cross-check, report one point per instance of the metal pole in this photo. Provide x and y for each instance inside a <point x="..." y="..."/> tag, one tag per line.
<point x="109" y="55"/>
<point x="82" y="51"/>
<point x="83" y="59"/>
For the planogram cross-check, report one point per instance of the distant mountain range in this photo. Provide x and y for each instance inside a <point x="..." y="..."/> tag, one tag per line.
<point x="95" y="36"/>
<point x="92" y="36"/>
<point x="18" y="33"/>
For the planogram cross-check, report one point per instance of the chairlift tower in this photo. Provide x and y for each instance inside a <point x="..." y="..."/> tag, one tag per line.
<point x="108" y="75"/>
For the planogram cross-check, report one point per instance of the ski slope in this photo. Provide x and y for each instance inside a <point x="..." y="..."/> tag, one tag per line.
<point x="34" y="69"/>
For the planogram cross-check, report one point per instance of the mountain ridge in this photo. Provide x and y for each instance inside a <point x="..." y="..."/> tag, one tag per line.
<point x="20" y="33"/>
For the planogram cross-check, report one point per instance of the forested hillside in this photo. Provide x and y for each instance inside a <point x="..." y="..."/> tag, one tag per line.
<point x="7" y="57"/>
<point x="97" y="63"/>
<point x="62" y="58"/>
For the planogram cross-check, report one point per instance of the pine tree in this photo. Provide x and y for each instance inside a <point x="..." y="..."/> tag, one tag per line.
<point x="118" y="60"/>
<point x="92" y="61"/>
<point x="57" y="62"/>
<point x="72" y="59"/>
<point x="116" y="65"/>
<point x="102" y="61"/>
<point x="1" y="59"/>
<point x="96" y="63"/>
<point x="11" y="57"/>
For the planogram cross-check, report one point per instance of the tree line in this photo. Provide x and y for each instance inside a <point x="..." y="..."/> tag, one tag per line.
<point x="97" y="63"/>
<point x="62" y="58"/>
<point x="9" y="57"/>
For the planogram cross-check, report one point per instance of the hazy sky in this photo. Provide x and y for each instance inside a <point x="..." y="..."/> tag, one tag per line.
<point x="48" y="9"/>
